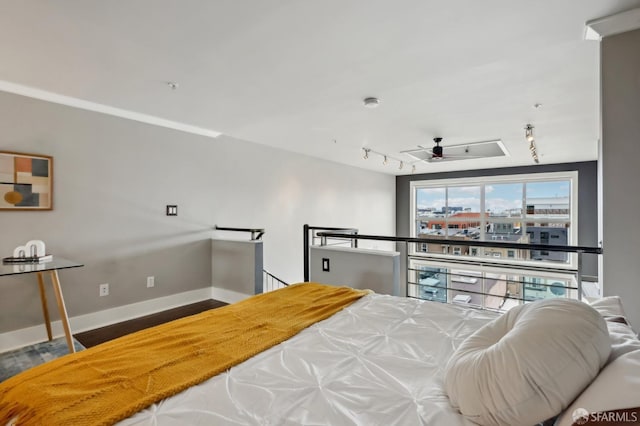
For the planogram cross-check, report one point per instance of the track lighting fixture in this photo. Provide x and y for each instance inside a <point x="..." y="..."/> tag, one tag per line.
<point x="366" y="153"/>
<point x="534" y="151"/>
<point x="528" y="133"/>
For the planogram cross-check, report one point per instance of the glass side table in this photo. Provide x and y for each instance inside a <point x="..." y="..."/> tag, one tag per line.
<point x="51" y="268"/>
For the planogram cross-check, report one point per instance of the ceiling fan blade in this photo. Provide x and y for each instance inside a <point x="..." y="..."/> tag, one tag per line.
<point x="464" y="156"/>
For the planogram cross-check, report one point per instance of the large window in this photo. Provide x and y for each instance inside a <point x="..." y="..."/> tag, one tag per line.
<point x="535" y="208"/>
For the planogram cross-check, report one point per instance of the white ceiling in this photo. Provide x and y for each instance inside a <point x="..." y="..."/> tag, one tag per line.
<point x="292" y="74"/>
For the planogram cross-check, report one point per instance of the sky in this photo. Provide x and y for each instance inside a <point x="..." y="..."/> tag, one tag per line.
<point x="498" y="197"/>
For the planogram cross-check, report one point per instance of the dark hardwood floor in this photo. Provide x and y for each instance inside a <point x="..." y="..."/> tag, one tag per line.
<point x="110" y="332"/>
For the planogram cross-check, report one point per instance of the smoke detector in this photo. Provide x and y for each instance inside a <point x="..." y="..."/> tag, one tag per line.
<point x="371" y="102"/>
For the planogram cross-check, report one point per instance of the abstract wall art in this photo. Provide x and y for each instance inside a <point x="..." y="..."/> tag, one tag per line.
<point x="26" y="181"/>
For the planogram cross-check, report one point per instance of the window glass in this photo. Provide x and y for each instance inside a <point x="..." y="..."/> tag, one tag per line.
<point x="431" y="283"/>
<point x="550" y="200"/>
<point x="490" y="289"/>
<point x="496" y="289"/>
<point x="535" y="288"/>
<point x="503" y="200"/>
<point x="525" y="209"/>
<point x="466" y="287"/>
<point x="430" y="210"/>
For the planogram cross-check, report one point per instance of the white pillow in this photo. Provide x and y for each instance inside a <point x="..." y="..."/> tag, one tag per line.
<point x="610" y="306"/>
<point x="529" y="364"/>
<point x="623" y="338"/>
<point x="616" y="387"/>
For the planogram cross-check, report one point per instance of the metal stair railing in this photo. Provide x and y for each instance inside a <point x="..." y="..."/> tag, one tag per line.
<point x="447" y="265"/>
<point x="271" y="282"/>
<point x="256" y="233"/>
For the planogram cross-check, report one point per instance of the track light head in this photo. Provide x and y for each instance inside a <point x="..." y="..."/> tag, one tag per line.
<point x="528" y="133"/>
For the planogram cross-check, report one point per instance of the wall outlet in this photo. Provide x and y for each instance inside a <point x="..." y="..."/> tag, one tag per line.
<point x="151" y="282"/>
<point x="104" y="289"/>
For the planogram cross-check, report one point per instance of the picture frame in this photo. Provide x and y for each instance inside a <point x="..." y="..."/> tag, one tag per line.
<point x="26" y="181"/>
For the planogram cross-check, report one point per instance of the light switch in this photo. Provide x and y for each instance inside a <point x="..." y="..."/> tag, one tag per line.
<point x="325" y="264"/>
<point x="172" y="210"/>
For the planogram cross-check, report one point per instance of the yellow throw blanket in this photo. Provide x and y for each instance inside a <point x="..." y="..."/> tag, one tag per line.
<point x="112" y="381"/>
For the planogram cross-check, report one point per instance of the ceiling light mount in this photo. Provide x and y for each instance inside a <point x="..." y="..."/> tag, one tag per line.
<point x="172" y="85"/>
<point x="371" y="102"/>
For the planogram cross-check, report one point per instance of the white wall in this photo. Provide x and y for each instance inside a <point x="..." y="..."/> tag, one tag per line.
<point x="620" y="58"/>
<point x="375" y="270"/>
<point x="113" y="178"/>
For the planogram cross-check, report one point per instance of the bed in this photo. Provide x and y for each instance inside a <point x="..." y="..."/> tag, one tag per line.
<point x="379" y="360"/>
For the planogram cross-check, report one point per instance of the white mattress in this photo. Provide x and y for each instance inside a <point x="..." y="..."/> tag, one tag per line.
<point x="378" y="362"/>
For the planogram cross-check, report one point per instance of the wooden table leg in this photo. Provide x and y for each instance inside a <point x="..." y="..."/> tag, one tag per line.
<point x="45" y="309"/>
<point x="63" y="310"/>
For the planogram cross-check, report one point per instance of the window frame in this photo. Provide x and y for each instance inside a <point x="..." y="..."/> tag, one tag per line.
<point x="483" y="181"/>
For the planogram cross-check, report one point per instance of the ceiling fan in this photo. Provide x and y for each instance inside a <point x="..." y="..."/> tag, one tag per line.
<point x="482" y="149"/>
<point x="437" y="151"/>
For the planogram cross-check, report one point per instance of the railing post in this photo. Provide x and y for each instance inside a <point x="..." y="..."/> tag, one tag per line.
<point x="256" y="235"/>
<point x="305" y="251"/>
<point x="406" y="269"/>
<point x="579" y="274"/>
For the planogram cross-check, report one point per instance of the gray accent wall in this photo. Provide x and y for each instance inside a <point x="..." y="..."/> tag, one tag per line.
<point x="375" y="270"/>
<point x="113" y="178"/>
<point x="620" y="78"/>
<point x="587" y="199"/>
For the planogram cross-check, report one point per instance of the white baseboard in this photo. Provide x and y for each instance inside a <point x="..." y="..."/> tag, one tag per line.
<point x="228" y="296"/>
<point x="30" y="335"/>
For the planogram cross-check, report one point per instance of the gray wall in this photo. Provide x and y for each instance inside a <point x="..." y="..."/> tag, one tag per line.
<point x="620" y="57"/>
<point x="237" y="265"/>
<point x="358" y="268"/>
<point x="587" y="199"/>
<point x="112" y="180"/>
